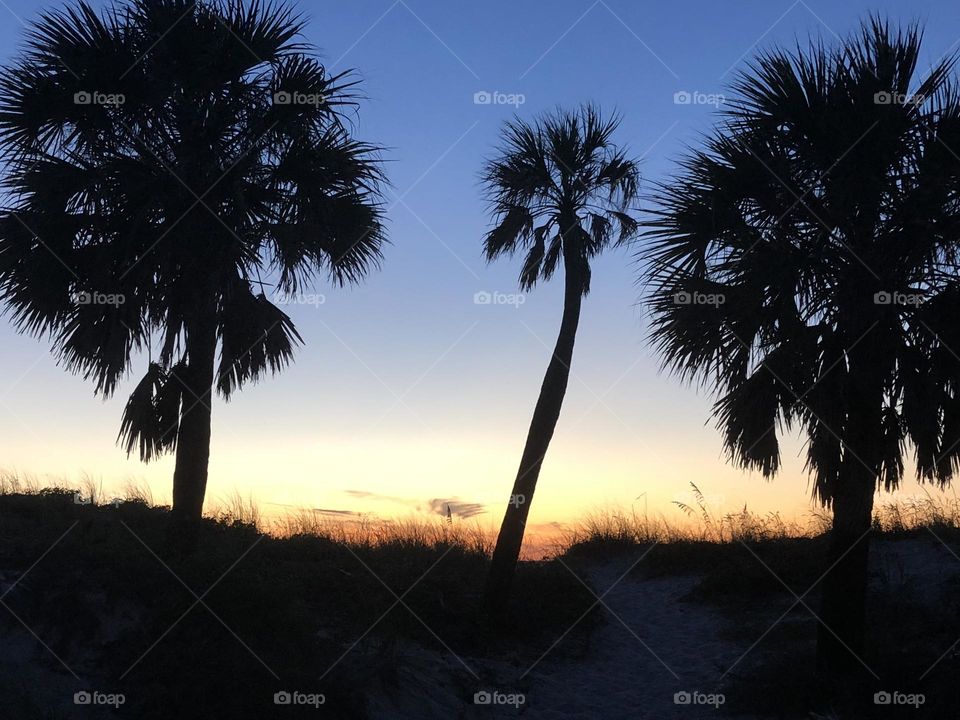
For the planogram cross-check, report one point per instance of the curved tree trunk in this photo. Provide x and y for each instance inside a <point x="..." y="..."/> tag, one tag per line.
<point x="545" y="416"/>
<point x="193" y="437"/>
<point x="841" y="632"/>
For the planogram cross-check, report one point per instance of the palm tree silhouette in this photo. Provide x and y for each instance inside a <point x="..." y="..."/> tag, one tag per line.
<point x="561" y="191"/>
<point x="804" y="266"/>
<point x="160" y="157"/>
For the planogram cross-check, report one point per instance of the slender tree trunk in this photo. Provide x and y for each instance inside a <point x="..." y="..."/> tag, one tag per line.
<point x="841" y="633"/>
<point x="193" y="437"/>
<point x="545" y="416"/>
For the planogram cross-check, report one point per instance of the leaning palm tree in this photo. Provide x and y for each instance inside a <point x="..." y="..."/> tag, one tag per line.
<point x="162" y="158"/>
<point x="804" y="266"/>
<point x="561" y="192"/>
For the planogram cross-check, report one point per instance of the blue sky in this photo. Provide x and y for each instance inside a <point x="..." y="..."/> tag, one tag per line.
<point x="407" y="391"/>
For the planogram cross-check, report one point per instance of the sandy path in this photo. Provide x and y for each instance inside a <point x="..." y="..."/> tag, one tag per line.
<point x="629" y="669"/>
<point x="650" y="645"/>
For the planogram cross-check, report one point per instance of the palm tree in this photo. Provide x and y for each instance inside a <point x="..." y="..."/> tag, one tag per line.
<point x="161" y="158"/>
<point x="561" y="192"/>
<point x="803" y="265"/>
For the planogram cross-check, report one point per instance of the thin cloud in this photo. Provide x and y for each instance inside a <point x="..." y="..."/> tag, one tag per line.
<point x="462" y="510"/>
<point x="320" y="511"/>
<point x="368" y="495"/>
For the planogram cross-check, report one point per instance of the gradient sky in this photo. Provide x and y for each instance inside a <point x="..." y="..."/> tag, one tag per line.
<point x="407" y="392"/>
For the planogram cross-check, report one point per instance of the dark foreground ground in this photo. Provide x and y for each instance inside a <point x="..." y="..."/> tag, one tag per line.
<point x="102" y="604"/>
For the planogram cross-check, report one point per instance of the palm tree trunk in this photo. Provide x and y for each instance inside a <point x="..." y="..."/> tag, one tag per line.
<point x="842" y="630"/>
<point x="841" y="633"/>
<point x="545" y="416"/>
<point x="193" y="437"/>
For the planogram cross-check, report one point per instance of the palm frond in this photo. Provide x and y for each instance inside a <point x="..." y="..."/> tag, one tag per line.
<point x="560" y="176"/>
<point x="256" y="338"/>
<point x="816" y="206"/>
<point x="151" y="417"/>
<point x="148" y="155"/>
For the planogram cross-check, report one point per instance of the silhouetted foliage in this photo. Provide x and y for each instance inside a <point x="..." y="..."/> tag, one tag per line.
<point x="561" y="192"/>
<point x="804" y="266"/>
<point x="160" y="156"/>
<point x="566" y="163"/>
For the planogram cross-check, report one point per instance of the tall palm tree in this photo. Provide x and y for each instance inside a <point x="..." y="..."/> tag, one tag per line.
<point x="804" y="265"/>
<point x="561" y="192"/>
<point x="161" y="158"/>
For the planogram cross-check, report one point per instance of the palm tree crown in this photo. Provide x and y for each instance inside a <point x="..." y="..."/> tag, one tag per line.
<point x="167" y="153"/>
<point x="804" y="262"/>
<point x="560" y="189"/>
